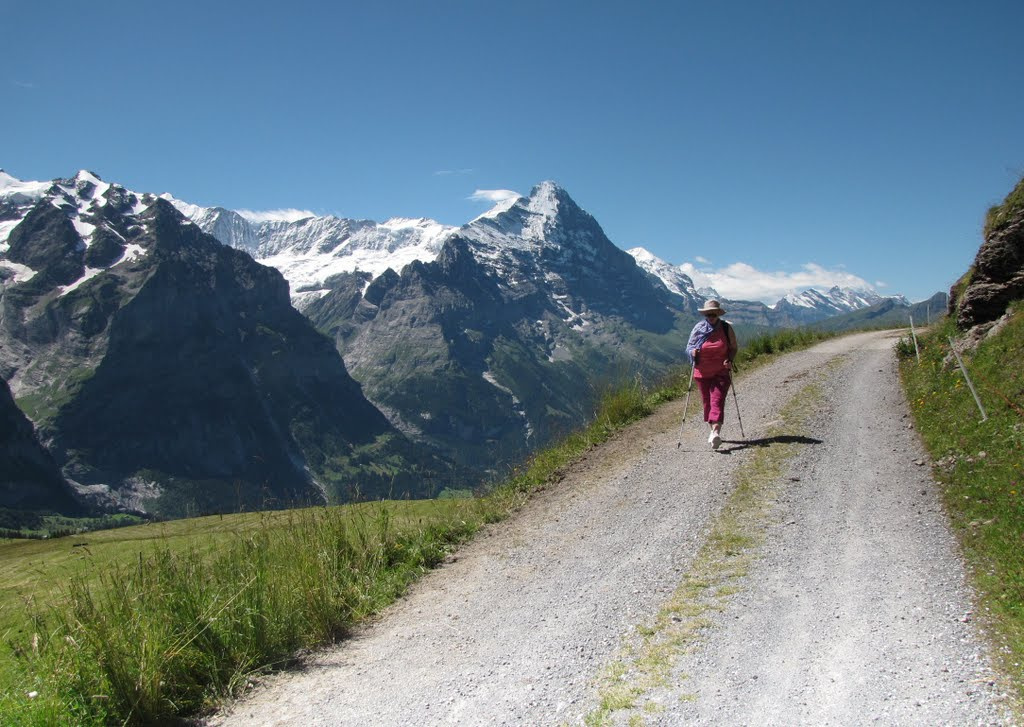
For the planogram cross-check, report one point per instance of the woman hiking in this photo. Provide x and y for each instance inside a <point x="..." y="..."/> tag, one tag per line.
<point x="712" y="348"/>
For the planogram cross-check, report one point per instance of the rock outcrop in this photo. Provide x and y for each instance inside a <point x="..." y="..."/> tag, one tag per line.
<point x="997" y="276"/>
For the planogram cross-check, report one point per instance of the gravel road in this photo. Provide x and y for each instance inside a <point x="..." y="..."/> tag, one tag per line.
<point x="854" y="612"/>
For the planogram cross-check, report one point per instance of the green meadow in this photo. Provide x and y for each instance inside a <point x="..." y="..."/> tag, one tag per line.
<point x="142" y="624"/>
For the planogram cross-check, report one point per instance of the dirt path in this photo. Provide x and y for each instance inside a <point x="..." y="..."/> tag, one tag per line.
<point x="854" y="611"/>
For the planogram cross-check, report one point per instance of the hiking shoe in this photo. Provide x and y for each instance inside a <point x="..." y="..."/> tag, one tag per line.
<point x="715" y="439"/>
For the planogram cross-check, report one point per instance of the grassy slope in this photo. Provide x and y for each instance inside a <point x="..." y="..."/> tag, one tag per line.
<point x="34" y="571"/>
<point x="159" y="619"/>
<point x="981" y="465"/>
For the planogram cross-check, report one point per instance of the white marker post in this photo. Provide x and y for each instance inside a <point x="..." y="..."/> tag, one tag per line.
<point x="967" y="378"/>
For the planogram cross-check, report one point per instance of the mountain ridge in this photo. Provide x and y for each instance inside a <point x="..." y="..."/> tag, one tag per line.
<point x="308" y="249"/>
<point x="471" y="345"/>
<point x="807" y="306"/>
<point x="169" y="373"/>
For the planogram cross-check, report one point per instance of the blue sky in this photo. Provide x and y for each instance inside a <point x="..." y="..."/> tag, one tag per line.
<point x="780" y="143"/>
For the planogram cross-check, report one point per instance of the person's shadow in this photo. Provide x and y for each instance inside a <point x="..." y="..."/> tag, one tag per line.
<point x="739" y="444"/>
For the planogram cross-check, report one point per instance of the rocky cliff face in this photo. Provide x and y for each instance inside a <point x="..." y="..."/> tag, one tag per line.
<point x="997" y="276"/>
<point x="29" y="478"/>
<point x="171" y="373"/>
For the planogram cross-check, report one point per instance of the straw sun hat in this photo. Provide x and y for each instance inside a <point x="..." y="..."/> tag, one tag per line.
<point x="712" y="306"/>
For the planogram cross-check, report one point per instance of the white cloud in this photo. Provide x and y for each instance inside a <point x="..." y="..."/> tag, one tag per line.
<point x="450" y="172"/>
<point x="285" y="215"/>
<point x="494" y="196"/>
<point x="741" y="281"/>
<point x="702" y="260"/>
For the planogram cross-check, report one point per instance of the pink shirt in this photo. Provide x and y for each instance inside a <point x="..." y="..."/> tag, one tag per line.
<point x="712" y="355"/>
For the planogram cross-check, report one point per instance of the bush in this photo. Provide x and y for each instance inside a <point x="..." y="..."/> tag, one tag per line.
<point x="904" y="348"/>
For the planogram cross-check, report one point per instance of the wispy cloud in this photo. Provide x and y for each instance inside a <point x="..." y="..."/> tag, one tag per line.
<point x="494" y="196"/>
<point x="24" y="84"/>
<point x="283" y="215"/>
<point x="453" y="172"/>
<point x="745" y="282"/>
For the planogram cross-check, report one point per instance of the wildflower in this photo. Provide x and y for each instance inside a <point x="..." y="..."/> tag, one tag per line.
<point x="33" y="695"/>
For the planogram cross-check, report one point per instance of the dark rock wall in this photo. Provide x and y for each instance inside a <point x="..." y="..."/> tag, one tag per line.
<point x="997" y="276"/>
<point x="29" y="478"/>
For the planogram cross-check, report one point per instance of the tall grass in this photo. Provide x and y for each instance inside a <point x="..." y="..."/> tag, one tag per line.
<point x="980" y="464"/>
<point x="174" y="630"/>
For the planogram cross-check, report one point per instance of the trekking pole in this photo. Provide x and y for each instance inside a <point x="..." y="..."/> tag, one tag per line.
<point x="686" y="406"/>
<point x="737" y="403"/>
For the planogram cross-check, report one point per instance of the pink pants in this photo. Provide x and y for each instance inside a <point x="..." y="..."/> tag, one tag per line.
<point x="712" y="393"/>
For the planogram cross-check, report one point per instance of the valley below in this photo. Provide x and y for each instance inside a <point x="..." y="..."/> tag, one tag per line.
<point x="803" y="573"/>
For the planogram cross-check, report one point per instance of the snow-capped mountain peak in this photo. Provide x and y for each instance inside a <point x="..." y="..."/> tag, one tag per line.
<point x="284" y="215"/>
<point x="310" y="249"/>
<point x="672" y="276"/>
<point x="14" y="191"/>
<point x="802" y="306"/>
<point x="836" y="299"/>
<point x="85" y="190"/>
<point x="81" y="198"/>
<point x="102" y="216"/>
<point x="85" y="179"/>
<point x="429" y="226"/>
<point x="546" y="245"/>
<point x="545" y="199"/>
<point x="545" y="235"/>
<point x="189" y="210"/>
<point x="547" y="202"/>
<point x="525" y="222"/>
<point x="644" y="257"/>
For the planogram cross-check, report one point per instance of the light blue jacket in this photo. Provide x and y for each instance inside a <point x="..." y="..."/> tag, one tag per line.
<point x="700" y="333"/>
